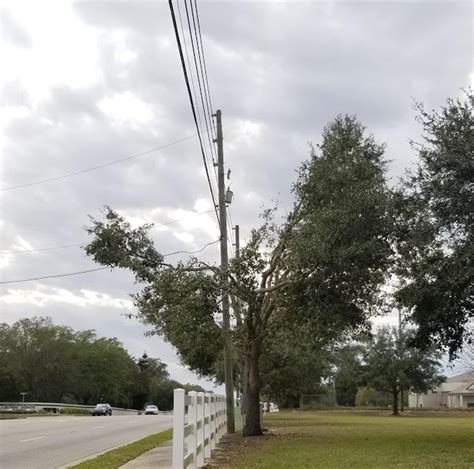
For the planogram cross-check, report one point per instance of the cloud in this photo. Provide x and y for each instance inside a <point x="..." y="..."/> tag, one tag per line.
<point x="12" y="30"/>
<point x="43" y="296"/>
<point x="125" y="108"/>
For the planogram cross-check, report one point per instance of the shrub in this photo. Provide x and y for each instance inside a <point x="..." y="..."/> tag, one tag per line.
<point x="73" y="411"/>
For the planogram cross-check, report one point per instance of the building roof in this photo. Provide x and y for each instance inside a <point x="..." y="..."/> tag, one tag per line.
<point x="460" y="384"/>
<point x="462" y="378"/>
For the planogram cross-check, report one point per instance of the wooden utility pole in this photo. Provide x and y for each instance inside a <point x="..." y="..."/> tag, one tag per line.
<point x="237" y="256"/>
<point x="401" y="346"/>
<point x="228" y="366"/>
<point x="237" y="241"/>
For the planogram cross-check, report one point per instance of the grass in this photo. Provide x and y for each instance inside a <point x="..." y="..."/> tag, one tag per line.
<point x="357" y="440"/>
<point x="12" y="416"/>
<point x="119" y="456"/>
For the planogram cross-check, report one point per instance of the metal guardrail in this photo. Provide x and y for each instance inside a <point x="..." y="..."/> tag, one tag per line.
<point x="54" y="407"/>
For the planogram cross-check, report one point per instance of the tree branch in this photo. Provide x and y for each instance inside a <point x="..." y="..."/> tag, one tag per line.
<point x="277" y="286"/>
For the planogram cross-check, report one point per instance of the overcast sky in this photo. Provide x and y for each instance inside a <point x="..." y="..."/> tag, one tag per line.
<point x="85" y="83"/>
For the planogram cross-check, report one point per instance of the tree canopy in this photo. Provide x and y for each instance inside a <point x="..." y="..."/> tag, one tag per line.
<point x="436" y="227"/>
<point x="391" y="365"/>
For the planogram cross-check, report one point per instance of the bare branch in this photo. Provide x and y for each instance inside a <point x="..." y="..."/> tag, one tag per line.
<point x="237" y="307"/>
<point x="277" y="286"/>
<point x="278" y="251"/>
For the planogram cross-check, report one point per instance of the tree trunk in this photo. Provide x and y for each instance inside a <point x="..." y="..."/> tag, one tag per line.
<point x="395" y="400"/>
<point x="251" y="394"/>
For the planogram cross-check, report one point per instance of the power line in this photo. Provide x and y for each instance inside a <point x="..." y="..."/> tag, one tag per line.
<point x="80" y="272"/>
<point x="187" y="58"/>
<point x="65" y="246"/>
<point x="208" y="124"/>
<point x="54" y="276"/>
<point x="186" y="79"/>
<point x="208" y="94"/>
<point x="52" y="248"/>
<point x="192" y="252"/>
<point x="93" y="168"/>
<point x="207" y="91"/>
<point x="197" y="71"/>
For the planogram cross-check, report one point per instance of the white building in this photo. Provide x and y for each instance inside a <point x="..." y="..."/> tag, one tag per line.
<point x="455" y="392"/>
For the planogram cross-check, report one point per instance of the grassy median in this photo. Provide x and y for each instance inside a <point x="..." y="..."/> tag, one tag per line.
<point x="118" y="457"/>
<point x="355" y="440"/>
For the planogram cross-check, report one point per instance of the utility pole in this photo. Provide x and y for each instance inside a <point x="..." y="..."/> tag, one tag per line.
<point x="237" y="241"/>
<point x="400" y="341"/>
<point x="228" y="366"/>
<point x="237" y="256"/>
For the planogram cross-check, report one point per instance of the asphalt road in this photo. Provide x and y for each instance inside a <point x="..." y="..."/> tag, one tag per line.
<point x="51" y="442"/>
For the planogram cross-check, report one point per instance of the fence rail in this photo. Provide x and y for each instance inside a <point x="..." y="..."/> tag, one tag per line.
<point x="199" y="423"/>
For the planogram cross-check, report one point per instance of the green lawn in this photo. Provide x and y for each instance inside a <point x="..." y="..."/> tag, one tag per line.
<point x="357" y="440"/>
<point x="118" y="457"/>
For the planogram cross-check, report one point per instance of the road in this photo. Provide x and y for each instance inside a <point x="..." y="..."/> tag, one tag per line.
<point x="51" y="442"/>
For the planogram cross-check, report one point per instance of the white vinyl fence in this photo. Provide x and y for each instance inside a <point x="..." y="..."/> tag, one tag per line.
<point x="200" y="420"/>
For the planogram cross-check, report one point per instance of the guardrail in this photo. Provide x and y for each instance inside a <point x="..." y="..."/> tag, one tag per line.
<point x="53" y="407"/>
<point x="197" y="431"/>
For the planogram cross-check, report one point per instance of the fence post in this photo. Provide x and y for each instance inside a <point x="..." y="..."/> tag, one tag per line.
<point x="178" y="428"/>
<point x="207" y="428"/>
<point x="221" y="416"/>
<point x="212" y="404"/>
<point x="218" y="419"/>
<point x="200" y="434"/>
<point x="192" y="419"/>
<point x="224" y="408"/>
<point x="224" y="428"/>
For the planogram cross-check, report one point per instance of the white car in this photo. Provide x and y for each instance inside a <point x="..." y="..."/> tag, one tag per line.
<point x="151" y="410"/>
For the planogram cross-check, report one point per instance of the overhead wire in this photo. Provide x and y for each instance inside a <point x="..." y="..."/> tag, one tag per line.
<point x="208" y="119"/>
<point x="93" y="168"/>
<point x="192" y="252"/>
<point x="186" y="51"/>
<point x="208" y="96"/>
<point x="53" y="276"/>
<point x="80" y="272"/>
<point x="193" y="109"/>
<point x="206" y="111"/>
<point x="207" y="90"/>
<point x="200" y="53"/>
<point x="206" y="104"/>
<point x="65" y="246"/>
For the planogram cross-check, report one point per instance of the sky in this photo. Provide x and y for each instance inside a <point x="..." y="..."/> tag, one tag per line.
<point x="85" y="83"/>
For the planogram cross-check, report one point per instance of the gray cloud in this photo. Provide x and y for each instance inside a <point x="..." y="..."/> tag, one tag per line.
<point x="12" y="30"/>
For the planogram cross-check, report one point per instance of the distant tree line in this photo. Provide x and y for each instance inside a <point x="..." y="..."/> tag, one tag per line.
<point x="54" y="363"/>
<point x="370" y="371"/>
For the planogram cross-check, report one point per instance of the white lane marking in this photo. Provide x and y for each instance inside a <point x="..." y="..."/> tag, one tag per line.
<point x="95" y="428"/>
<point x="32" y="439"/>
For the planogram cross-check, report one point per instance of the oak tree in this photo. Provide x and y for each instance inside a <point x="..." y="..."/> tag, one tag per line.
<point x="324" y="264"/>
<point x="436" y="228"/>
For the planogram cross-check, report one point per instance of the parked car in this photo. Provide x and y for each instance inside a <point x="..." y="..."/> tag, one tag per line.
<point x="151" y="410"/>
<point x="101" y="409"/>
